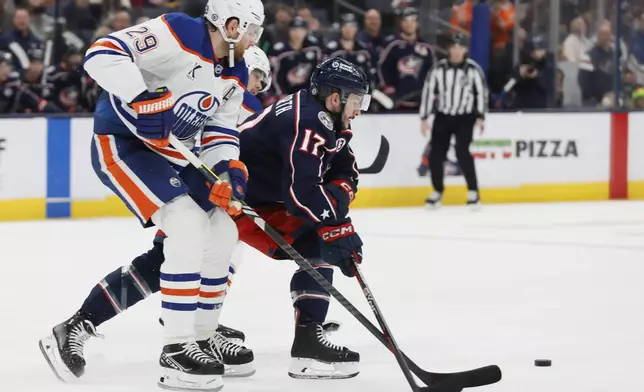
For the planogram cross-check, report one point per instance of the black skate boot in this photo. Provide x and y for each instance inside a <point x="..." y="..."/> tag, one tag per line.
<point x="238" y="360"/>
<point x="473" y="200"/>
<point x="234" y="335"/>
<point x="434" y="201"/>
<point x="185" y="366"/>
<point x="314" y="356"/>
<point x="63" y="349"/>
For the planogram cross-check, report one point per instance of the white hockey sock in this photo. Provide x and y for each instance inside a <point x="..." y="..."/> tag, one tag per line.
<point x="214" y="273"/>
<point x="186" y="226"/>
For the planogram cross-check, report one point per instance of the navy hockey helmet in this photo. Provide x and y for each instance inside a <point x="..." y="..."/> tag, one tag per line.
<point x="341" y="76"/>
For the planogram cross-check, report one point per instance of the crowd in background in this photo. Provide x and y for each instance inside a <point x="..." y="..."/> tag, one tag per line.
<point x="42" y="44"/>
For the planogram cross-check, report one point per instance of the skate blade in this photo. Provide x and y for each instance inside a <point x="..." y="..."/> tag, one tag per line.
<point x="474" y="207"/>
<point x="310" y="369"/>
<point x="433" y="206"/>
<point x="174" y="380"/>
<point x="245" y="370"/>
<point x="49" y="349"/>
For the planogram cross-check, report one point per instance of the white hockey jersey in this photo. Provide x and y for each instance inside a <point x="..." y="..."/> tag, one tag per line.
<point x="172" y="51"/>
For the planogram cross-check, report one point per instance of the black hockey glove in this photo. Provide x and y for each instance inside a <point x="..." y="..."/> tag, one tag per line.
<point x="340" y="245"/>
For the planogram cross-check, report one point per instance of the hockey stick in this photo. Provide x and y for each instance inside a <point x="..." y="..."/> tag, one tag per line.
<point x="381" y="158"/>
<point x="437" y="382"/>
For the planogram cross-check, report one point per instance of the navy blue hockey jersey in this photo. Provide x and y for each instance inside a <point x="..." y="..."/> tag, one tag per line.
<point x="292" y="68"/>
<point x="403" y="65"/>
<point x="291" y="150"/>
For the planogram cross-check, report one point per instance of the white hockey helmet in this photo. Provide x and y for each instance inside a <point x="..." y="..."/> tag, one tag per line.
<point x="255" y="58"/>
<point x="250" y="14"/>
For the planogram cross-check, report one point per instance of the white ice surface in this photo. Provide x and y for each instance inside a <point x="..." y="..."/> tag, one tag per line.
<point x="506" y="285"/>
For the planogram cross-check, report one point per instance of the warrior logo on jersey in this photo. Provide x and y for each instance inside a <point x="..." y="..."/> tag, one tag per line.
<point x="192" y="111"/>
<point x="219" y="69"/>
<point x="410" y="66"/>
<point x="299" y="74"/>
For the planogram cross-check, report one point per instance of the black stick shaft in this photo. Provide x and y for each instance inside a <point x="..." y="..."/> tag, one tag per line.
<point x="386" y="332"/>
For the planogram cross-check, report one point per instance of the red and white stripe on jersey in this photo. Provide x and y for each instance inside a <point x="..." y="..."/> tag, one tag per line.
<point x="138" y="196"/>
<point x="291" y="190"/>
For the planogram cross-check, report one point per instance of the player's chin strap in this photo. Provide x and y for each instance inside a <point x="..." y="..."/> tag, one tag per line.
<point x="437" y="382"/>
<point x="231" y="54"/>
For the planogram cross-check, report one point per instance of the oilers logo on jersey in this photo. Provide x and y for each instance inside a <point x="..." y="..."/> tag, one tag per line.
<point x="192" y="111"/>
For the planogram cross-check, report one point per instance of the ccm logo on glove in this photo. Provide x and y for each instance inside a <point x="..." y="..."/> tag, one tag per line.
<point x="329" y="234"/>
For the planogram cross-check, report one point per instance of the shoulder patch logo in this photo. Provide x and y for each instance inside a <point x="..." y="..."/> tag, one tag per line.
<point x="326" y="120"/>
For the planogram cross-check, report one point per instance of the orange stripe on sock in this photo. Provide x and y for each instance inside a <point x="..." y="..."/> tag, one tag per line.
<point x="212" y="294"/>
<point x="180" y="292"/>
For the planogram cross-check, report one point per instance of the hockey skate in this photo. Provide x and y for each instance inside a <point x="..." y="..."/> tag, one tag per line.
<point x="315" y="357"/>
<point x="434" y="201"/>
<point x="473" y="200"/>
<point x="63" y="349"/>
<point x="232" y="334"/>
<point x="238" y="360"/>
<point x="186" y="367"/>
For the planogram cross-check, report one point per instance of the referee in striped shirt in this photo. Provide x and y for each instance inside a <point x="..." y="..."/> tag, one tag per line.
<point x="456" y="96"/>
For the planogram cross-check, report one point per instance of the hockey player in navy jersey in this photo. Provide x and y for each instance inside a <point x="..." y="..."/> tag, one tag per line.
<point x="349" y="48"/>
<point x="302" y="179"/>
<point x="294" y="61"/>
<point x="404" y="63"/>
<point x="185" y="76"/>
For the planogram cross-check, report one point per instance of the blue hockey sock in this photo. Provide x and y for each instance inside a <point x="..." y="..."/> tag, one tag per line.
<point x="124" y="287"/>
<point x="310" y="300"/>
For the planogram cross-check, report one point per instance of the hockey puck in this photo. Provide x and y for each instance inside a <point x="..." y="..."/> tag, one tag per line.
<point x="542" y="362"/>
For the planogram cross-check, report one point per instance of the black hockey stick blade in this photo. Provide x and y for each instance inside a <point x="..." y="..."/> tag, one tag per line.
<point x="468" y="379"/>
<point x="381" y="158"/>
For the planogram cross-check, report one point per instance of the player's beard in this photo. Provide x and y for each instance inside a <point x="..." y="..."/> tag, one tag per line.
<point x="239" y="52"/>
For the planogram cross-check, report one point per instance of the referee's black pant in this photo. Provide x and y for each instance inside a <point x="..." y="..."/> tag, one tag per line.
<point x="462" y="127"/>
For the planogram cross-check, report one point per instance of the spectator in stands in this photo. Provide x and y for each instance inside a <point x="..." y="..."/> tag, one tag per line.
<point x="15" y="97"/>
<point x="315" y="28"/>
<point x="278" y="31"/>
<point x="596" y="68"/>
<point x="371" y="35"/>
<point x="42" y="24"/>
<point x="65" y="81"/>
<point x="534" y="76"/>
<point x="502" y="23"/>
<point x="462" y="15"/>
<point x="80" y="20"/>
<point x="25" y="48"/>
<point x="121" y="20"/>
<point x="576" y="44"/>
<point x="404" y="63"/>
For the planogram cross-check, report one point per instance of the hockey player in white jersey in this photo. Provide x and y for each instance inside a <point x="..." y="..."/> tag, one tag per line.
<point x="173" y="74"/>
<point x="126" y="286"/>
<point x="259" y="69"/>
